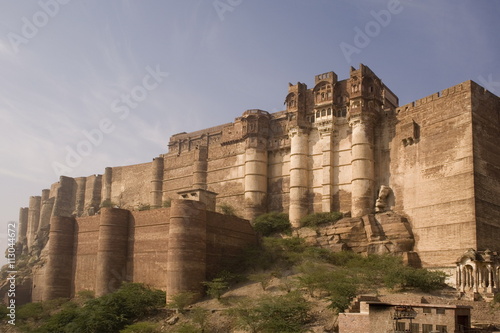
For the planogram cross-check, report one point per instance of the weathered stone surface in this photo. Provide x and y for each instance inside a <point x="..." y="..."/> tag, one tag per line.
<point x="380" y="233"/>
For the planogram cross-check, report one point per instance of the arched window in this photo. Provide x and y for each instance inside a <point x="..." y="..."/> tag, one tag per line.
<point x="329" y="112"/>
<point x="318" y="114"/>
<point x="323" y="113"/>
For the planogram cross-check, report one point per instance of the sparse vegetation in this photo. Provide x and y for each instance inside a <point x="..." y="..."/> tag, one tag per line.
<point x="142" y="207"/>
<point x="270" y="223"/>
<point x="227" y="209"/>
<point x="109" y="313"/>
<point x="268" y="314"/>
<point x="199" y="316"/>
<point x="216" y="287"/>
<point x="141" y="327"/>
<point x="108" y="204"/>
<point x="263" y="278"/>
<point x="299" y="275"/>
<point x="181" y="300"/>
<point x="167" y="203"/>
<point x="316" y="219"/>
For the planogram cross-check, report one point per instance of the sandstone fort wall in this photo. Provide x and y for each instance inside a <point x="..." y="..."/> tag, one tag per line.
<point x="432" y="173"/>
<point x="342" y="145"/>
<point x="99" y="252"/>
<point x="486" y="142"/>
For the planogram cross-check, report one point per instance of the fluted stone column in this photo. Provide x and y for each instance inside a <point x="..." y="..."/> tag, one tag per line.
<point x="327" y="166"/>
<point x="106" y="184"/>
<point x="299" y="152"/>
<point x="362" y="164"/>
<point x="200" y="167"/>
<point x="112" y="250"/>
<point x="187" y="242"/>
<point x="59" y="270"/>
<point x="157" y="182"/>
<point x="33" y="218"/>
<point x="255" y="182"/>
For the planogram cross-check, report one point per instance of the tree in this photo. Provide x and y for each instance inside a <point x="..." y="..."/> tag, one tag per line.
<point x="216" y="287"/>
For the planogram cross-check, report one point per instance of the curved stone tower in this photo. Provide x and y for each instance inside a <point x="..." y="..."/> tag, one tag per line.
<point x="33" y="218"/>
<point x="47" y="205"/>
<point x="364" y="109"/>
<point x="112" y="250"/>
<point x="255" y="130"/>
<point x="186" y="260"/>
<point x="59" y="270"/>
<point x="23" y="224"/>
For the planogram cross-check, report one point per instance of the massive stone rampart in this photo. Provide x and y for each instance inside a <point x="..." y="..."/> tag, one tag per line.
<point x="173" y="249"/>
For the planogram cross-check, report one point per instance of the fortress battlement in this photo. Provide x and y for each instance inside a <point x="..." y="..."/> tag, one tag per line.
<point x="342" y="145"/>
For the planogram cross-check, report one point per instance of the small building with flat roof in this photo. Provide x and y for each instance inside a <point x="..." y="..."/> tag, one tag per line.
<point x="381" y="317"/>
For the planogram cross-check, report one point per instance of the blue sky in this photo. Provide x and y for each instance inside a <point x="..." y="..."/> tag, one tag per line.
<point x="67" y="68"/>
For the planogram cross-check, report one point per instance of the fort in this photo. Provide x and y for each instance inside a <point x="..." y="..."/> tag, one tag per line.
<point x="422" y="179"/>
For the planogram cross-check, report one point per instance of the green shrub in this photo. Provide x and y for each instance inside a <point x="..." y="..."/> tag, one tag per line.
<point x="60" y="320"/>
<point x="216" y="287"/>
<point x="313" y="277"/>
<point x="263" y="278"/>
<point x="423" y="279"/>
<point x="227" y="209"/>
<point x="341" y="288"/>
<point x="270" y="223"/>
<point x="141" y="327"/>
<point x="108" y="313"/>
<point x="200" y="317"/>
<point x="181" y="300"/>
<point x="108" y="204"/>
<point x="187" y="328"/>
<point x="167" y="203"/>
<point x="314" y="220"/>
<point x="3" y="311"/>
<point x="85" y="295"/>
<point x="496" y="298"/>
<point x="30" y="311"/>
<point x="269" y="314"/>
